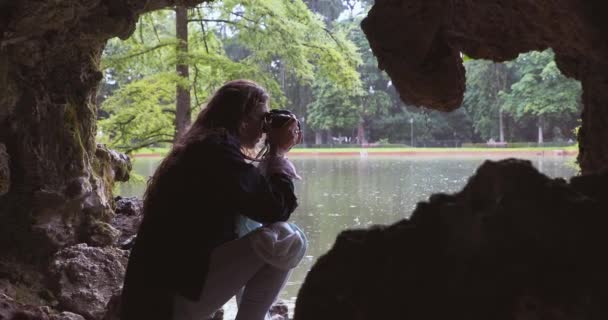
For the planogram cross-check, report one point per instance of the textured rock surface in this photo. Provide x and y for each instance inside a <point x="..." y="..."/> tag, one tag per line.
<point x="112" y="165"/>
<point x="513" y="244"/>
<point x="113" y="307"/>
<point x="5" y="171"/>
<point x="12" y="310"/>
<point x="418" y="43"/>
<point x="85" y="278"/>
<point x="279" y="311"/>
<point x="127" y="218"/>
<point x="61" y="179"/>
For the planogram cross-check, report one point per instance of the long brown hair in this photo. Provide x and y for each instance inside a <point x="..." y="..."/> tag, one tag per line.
<point x="222" y="115"/>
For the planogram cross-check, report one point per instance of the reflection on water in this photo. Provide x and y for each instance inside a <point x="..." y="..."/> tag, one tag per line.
<point x="343" y="192"/>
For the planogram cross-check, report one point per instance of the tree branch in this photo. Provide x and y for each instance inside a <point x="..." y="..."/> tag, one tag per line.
<point x="122" y="124"/>
<point x="154" y="28"/>
<point x="222" y="21"/>
<point x="166" y="110"/>
<point x="158" y="46"/>
<point x="334" y="38"/>
<point x="153" y="5"/>
<point x="143" y="145"/>
<point x="200" y="15"/>
<point x="242" y="16"/>
<point x="197" y="101"/>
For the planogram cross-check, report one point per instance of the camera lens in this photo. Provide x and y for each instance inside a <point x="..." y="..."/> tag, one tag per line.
<point x="277" y="118"/>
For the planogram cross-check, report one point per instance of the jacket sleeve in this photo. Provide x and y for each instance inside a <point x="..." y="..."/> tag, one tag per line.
<point x="263" y="199"/>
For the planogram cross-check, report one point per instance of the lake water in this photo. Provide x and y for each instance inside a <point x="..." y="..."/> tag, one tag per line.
<point x="341" y="192"/>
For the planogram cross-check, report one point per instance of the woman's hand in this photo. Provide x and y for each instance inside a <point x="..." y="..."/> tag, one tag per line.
<point x="284" y="138"/>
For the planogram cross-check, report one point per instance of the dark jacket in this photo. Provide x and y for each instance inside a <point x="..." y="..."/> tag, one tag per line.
<point x="194" y="211"/>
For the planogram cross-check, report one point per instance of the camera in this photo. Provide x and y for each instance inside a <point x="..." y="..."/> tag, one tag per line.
<point x="277" y="118"/>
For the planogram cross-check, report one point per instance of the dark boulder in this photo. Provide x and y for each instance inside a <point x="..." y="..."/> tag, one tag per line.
<point x="513" y="244"/>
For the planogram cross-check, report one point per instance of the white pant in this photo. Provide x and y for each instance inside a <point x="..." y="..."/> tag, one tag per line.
<point x="235" y="265"/>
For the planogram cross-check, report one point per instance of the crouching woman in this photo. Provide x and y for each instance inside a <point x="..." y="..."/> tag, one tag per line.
<point x="187" y="260"/>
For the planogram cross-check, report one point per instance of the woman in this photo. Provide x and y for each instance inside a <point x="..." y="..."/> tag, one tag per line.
<point x="187" y="261"/>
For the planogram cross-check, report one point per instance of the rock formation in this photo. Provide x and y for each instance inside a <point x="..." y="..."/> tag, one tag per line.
<point x="487" y="251"/>
<point x="55" y="180"/>
<point x="85" y="278"/>
<point x="513" y="244"/>
<point x="5" y="171"/>
<point x="419" y="44"/>
<point x="11" y="309"/>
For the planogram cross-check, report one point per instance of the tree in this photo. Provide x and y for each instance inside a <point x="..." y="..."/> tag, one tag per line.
<point x="367" y="102"/>
<point x="332" y="108"/>
<point x="182" y="108"/>
<point x="329" y="9"/>
<point x="485" y="80"/>
<point x="542" y="92"/>
<point x="263" y="36"/>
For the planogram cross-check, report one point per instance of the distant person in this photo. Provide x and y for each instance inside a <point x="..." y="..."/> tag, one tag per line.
<point x="187" y="260"/>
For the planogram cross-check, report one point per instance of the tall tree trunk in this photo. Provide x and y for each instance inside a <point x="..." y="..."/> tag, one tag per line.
<point x="540" y="130"/>
<point x="182" y="109"/>
<point x="500" y="79"/>
<point x="501" y="127"/>
<point x="318" y="137"/>
<point x="361" y="133"/>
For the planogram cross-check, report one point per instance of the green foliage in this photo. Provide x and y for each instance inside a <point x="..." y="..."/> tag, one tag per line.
<point x="428" y="126"/>
<point x="289" y="33"/>
<point x="141" y="113"/>
<point x="529" y="90"/>
<point x="541" y="90"/>
<point x="333" y="108"/>
<point x="485" y="79"/>
<point x="359" y="105"/>
<point x="260" y="40"/>
<point x="313" y="58"/>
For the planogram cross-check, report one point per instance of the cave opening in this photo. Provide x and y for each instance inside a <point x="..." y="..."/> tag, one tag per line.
<point x="56" y="199"/>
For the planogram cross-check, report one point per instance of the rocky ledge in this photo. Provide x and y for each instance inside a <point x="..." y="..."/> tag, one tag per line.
<point x="513" y="244"/>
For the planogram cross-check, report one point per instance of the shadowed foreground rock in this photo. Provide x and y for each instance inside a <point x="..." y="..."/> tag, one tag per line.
<point x="85" y="278"/>
<point x="12" y="310"/>
<point x="127" y="218"/>
<point x="513" y="244"/>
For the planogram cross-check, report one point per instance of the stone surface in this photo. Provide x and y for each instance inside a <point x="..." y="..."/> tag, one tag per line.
<point x="127" y="218"/>
<point x="24" y="283"/>
<point x="5" y="171"/>
<point x="113" y="166"/>
<point x="513" y="244"/>
<point x="102" y="234"/>
<point x="418" y="43"/>
<point x="67" y="316"/>
<point x="57" y="189"/>
<point x="61" y="180"/>
<point x="218" y="315"/>
<point x="85" y="278"/>
<point x="13" y="310"/>
<point x="113" y="307"/>
<point x="279" y="311"/>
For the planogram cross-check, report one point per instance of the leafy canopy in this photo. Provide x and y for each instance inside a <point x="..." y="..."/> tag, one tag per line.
<point x="227" y="40"/>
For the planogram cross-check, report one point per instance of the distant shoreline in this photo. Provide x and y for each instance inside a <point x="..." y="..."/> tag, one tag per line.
<point x="415" y="152"/>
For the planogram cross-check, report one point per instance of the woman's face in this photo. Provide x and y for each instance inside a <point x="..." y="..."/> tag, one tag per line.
<point x="251" y="127"/>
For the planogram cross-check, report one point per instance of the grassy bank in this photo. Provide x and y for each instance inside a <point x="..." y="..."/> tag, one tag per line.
<point x="151" y="152"/>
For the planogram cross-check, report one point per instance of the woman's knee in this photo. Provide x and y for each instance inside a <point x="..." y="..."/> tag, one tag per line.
<point x="279" y="244"/>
